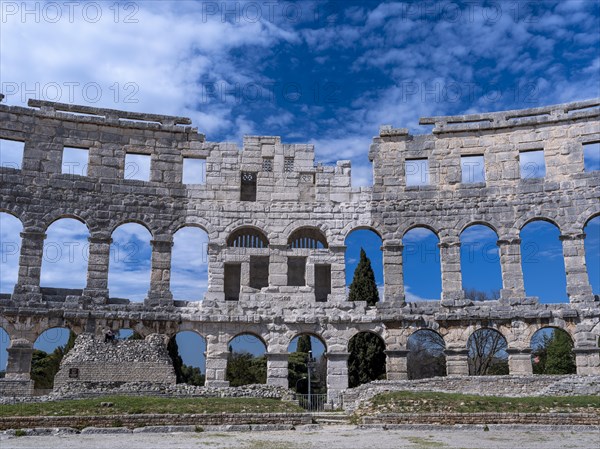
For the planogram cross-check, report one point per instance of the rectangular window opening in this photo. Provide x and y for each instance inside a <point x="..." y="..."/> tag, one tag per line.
<point x="472" y="169"/>
<point x="591" y="156"/>
<point x="137" y="166"/>
<point x="259" y="271"/>
<point x="75" y="161"/>
<point x="233" y="276"/>
<point x="296" y="271"/>
<point x="532" y="164"/>
<point x="267" y="164"/>
<point x="417" y="172"/>
<point x="248" y="187"/>
<point x="288" y="165"/>
<point x="322" y="282"/>
<point x="194" y="171"/>
<point x="11" y="153"/>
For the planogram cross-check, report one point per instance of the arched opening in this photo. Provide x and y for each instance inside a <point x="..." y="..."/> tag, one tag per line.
<point x="247" y="237"/>
<point x="189" y="264"/>
<point x="4" y="345"/>
<point x="307" y="351"/>
<point x="543" y="263"/>
<point x="48" y="351"/>
<point x="480" y="263"/>
<point x="426" y="355"/>
<point x="307" y="238"/>
<point x="421" y="265"/>
<point x="366" y="362"/>
<point x="487" y="353"/>
<point x="130" y="262"/>
<point x="552" y="352"/>
<point x="65" y="257"/>
<point x="364" y="266"/>
<point x="187" y="350"/>
<point x="10" y="250"/>
<point x="247" y="362"/>
<point x="592" y="253"/>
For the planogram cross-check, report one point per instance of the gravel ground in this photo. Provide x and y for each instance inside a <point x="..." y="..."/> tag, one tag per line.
<point x="331" y="437"/>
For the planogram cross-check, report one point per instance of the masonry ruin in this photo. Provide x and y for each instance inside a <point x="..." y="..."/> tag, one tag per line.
<point x="277" y="223"/>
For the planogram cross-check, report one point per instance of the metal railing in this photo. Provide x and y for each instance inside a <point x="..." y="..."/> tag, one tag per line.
<point x="312" y="402"/>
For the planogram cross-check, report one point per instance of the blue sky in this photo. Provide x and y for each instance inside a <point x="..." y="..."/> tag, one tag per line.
<point x="327" y="73"/>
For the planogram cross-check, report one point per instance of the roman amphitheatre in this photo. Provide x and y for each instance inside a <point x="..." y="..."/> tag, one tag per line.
<point x="277" y="222"/>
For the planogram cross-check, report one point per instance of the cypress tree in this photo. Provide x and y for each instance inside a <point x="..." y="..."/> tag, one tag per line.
<point x="364" y="287"/>
<point x="304" y="344"/>
<point x="559" y="354"/>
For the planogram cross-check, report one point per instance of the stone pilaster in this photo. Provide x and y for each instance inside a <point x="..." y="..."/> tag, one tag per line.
<point x="519" y="361"/>
<point x="277" y="369"/>
<point x="457" y="362"/>
<point x="393" y="275"/>
<point x="338" y="273"/>
<point x="19" y="360"/>
<point x="337" y="376"/>
<point x="97" y="274"/>
<point x="216" y="273"/>
<point x="396" y="365"/>
<point x="160" y="278"/>
<point x="216" y="369"/>
<point x="578" y="284"/>
<point x="30" y="267"/>
<point x="278" y="266"/>
<point x="587" y="361"/>
<point x="452" y="292"/>
<point x="513" y="287"/>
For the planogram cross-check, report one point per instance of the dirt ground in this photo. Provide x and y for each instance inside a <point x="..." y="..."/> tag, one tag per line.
<point x="331" y="437"/>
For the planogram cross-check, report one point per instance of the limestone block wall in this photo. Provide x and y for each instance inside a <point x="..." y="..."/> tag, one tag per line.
<point x="93" y="360"/>
<point x="271" y="192"/>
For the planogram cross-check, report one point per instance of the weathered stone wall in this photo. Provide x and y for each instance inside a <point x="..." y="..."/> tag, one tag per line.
<point x="92" y="360"/>
<point x="292" y="195"/>
<point x="506" y="386"/>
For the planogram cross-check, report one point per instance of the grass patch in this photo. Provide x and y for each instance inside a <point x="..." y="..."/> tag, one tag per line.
<point x="425" y="442"/>
<point x="429" y="402"/>
<point x="142" y="405"/>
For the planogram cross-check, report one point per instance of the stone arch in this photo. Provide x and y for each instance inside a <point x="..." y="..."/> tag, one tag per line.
<point x="197" y="222"/>
<point x="538" y="353"/>
<point x="247" y="237"/>
<point x="142" y="223"/>
<point x="465" y="224"/>
<point x="583" y="220"/>
<point x="486" y="348"/>
<point x="311" y="334"/>
<point x="189" y="263"/>
<point x="4" y="210"/>
<point x="252" y="333"/>
<point x="358" y="225"/>
<point x="51" y="219"/>
<point x="425" y="357"/>
<point x="191" y="356"/>
<point x="421" y="260"/>
<point x="260" y="225"/>
<point x="297" y="224"/>
<point x="11" y="228"/>
<point x="533" y="216"/>
<point x="429" y="227"/>
<point x="480" y="268"/>
<point x="366" y="365"/>
<point x="258" y="362"/>
<point x="307" y="237"/>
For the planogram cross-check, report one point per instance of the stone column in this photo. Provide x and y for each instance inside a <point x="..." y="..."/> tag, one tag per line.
<point x="338" y="273"/>
<point x="160" y="279"/>
<point x="393" y="275"/>
<point x="452" y="292"/>
<point x="19" y="360"/>
<point x="97" y="274"/>
<point x="216" y="368"/>
<point x="277" y="369"/>
<point x="513" y="287"/>
<point x="396" y="365"/>
<point x="587" y="361"/>
<point x="578" y="283"/>
<point x="457" y="362"/>
<point x="30" y="266"/>
<point x="337" y="376"/>
<point x="519" y="361"/>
